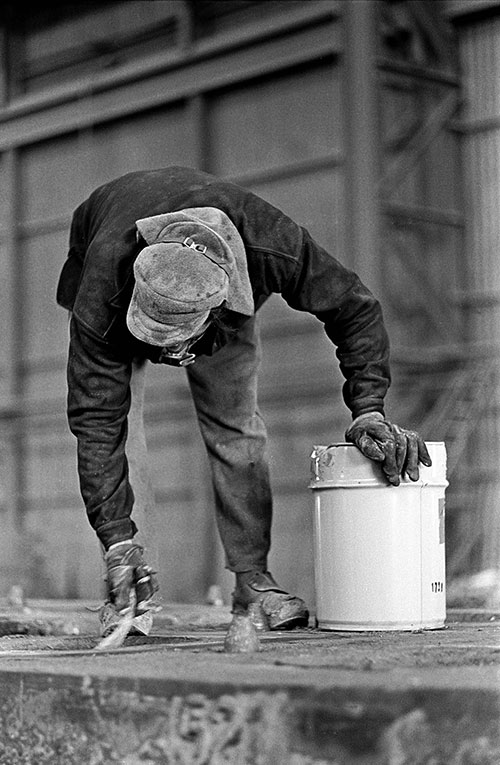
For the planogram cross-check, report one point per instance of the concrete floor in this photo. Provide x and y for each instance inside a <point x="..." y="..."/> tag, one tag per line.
<point x="307" y="697"/>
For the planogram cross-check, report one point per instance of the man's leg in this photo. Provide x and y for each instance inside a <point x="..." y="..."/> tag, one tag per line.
<point x="224" y="389"/>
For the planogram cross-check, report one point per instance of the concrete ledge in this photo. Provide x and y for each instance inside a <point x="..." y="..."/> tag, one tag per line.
<point x="78" y="718"/>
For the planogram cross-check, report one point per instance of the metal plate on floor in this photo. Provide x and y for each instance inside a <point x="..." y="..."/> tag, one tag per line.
<point x="207" y="640"/>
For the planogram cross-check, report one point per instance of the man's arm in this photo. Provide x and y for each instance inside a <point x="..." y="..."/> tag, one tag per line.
<point x="353" y="321"/>
<point x="358" y="331"/>
<point x="98" y="405"/>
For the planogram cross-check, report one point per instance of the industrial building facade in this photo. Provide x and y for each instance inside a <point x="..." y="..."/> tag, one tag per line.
<point x="374" y="124"/>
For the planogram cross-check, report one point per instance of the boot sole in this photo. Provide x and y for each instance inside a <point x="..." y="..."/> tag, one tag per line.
<point x="289" y="624"/>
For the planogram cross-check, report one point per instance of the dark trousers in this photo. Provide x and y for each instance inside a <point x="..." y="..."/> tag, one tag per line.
<point x="224" y="390"/>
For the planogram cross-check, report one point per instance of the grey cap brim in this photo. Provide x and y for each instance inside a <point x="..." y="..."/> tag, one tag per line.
<point x="153" y="332"/>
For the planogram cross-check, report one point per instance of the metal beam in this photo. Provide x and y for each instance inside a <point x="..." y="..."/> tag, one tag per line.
<point x="411" y="213"/>
<point x="313" y="13"/>
<point x="423" y="74"/>
<point x="90" y="104"/>
<point x="399" y="168"/>
<point x="12" y="273"/>
<point x="472" y="126"/>
<point x="362" y="141"/>
<point x="455" y="9"/>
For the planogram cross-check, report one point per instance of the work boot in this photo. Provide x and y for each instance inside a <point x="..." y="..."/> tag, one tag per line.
<point x="283" y="611"/>
<point x="109" y="620"/>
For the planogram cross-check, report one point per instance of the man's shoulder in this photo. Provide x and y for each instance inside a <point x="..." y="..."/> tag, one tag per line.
<point x="146" y="192"/>
<point x="152" y="177"/>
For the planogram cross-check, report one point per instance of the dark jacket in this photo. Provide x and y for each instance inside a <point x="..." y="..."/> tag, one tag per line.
<point x="96" y="285"/>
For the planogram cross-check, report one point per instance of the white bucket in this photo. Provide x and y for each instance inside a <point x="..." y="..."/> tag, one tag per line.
<point x="379" y="550"/>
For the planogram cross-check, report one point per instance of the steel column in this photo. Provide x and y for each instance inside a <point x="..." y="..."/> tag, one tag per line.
<point x="362" y="141"/>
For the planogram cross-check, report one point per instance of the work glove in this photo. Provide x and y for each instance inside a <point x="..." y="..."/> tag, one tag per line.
<point x="128" y="575"/>
<point x="398" y="450"/>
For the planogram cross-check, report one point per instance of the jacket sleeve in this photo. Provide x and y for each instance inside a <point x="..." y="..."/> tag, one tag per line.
<point x="98" y="405"/>
<point x="69" y="279"/>
<point x="352" y="319"/>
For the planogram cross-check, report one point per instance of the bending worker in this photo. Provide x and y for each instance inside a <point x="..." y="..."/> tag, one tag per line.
<point x="172" y="266"/>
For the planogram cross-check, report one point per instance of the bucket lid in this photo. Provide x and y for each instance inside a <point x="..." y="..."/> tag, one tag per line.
<point x="343" y="464"/>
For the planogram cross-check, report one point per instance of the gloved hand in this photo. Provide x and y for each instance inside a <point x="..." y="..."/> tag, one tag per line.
<point x="398" y="450"/>
<point x="126" y="571"/>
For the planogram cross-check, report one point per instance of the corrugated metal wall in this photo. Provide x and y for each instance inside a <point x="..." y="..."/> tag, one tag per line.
<point x="480" y="62"/>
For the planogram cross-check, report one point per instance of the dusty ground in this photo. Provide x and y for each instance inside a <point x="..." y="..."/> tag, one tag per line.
<point x="66" y="634"/>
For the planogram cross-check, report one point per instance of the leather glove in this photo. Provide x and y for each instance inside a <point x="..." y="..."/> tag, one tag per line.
<point x="126" y="572"/>
<point x="398" y="450"/>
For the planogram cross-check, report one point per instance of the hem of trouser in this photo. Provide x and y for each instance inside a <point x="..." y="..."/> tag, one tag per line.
<point x="116" y="531"/>
<point x="246" y="569"/>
